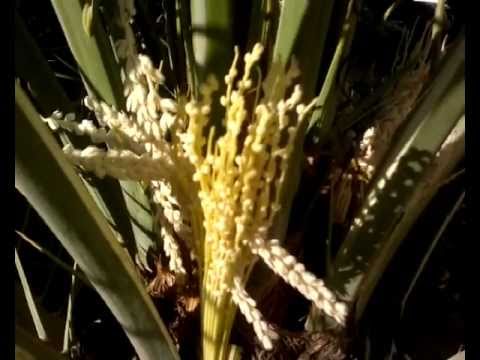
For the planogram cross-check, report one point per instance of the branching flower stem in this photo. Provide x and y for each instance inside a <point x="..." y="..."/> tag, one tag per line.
<point x="219" y="195"/>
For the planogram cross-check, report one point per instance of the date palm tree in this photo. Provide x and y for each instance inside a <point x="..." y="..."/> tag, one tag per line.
<point x="198" y="134"/>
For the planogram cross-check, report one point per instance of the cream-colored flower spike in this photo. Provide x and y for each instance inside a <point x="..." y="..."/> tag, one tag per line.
<point x="240" y="175"/>
<point x="172" y="220"/>
<point x="86" y="127"/>
<point x="155" y="116"/>
<point x="248" y="308"/>
<point x="218" y="194"/>
<point x="135" y="138"/>
<point x="294" y="273"/>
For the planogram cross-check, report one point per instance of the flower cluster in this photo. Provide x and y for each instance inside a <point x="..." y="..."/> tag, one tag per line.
<point x="376" y="140"/>
<point x="294" y="273"/>
<point x="413" y="69"/>
<point x="248" y="308"/>
<point x="216" y="193"/>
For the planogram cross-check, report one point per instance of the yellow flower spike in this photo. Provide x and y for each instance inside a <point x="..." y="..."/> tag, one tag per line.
<point x="219" y="195"/>
<point x="239" y="183"/>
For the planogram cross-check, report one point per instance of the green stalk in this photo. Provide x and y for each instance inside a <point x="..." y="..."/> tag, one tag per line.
<point x="323" y="116"/>
<point x="46" y="90"/>
<point x="292" y="14"/>
<point x="235" y="353"/>
<point x="438" y="31"/>
<point x="302" y="34"/>
<point x="390" y="9"/>
<point x="53" y="189"/>
<point x="175" y="46"/>
<point x="53" y="323"/>
<point x="68" y="332"/>
<point x="92" y="52"/>
<point x="212" y="37"/>
<point x="184" y="27"/>
<point x="212" y="43"/>
<point x="27" y="347"/>
<point x="262" y="27"/>
<point x="53" y="258"/>
<point x="37" y="321"/>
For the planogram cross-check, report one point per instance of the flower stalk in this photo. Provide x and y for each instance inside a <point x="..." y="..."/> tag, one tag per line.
<point x="219" y="197"/>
